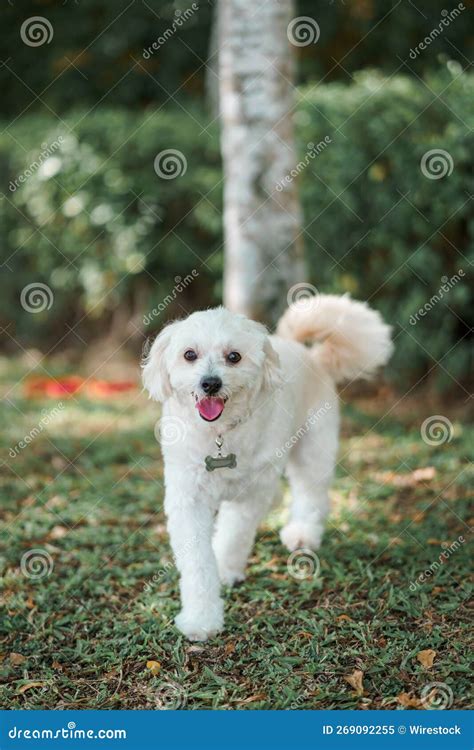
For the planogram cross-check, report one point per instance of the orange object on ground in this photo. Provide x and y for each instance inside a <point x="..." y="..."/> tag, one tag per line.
<point x="62" y="387"/>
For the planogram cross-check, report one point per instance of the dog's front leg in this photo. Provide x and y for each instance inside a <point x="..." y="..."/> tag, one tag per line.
<point x="190" y="526"/>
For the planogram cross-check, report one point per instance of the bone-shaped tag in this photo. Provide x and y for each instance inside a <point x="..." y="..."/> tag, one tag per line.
<point x="221" y="462"/>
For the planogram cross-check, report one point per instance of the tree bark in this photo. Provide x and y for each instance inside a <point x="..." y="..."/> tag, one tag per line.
<point x="263" y="253"/>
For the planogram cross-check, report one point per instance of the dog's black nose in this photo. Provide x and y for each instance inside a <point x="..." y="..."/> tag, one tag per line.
<point x="211" y="385"/>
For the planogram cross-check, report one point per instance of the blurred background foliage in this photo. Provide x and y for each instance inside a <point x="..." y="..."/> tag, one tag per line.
<point x="111" y="238"/>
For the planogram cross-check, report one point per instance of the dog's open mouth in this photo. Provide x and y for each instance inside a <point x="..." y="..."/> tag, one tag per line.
<point x="210" y="408"/>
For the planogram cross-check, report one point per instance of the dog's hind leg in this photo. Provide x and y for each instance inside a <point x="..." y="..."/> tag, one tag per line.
<point x="310" y="470"/>
<point x="237" y="524"/>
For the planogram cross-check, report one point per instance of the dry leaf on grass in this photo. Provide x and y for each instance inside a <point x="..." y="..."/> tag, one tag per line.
<point x="426" y="657"/>
<point x="340" y="618"/>
<point x="153" y="666"/>
<point x="16" y="659"/>
<point x="406" y="480"/>
<point x="57" y="532"/>
<point x="355" y="680"/>
<point x="407" y="701"/>
<point x="30" y="685"/>
<point x="195" y="649"/>
<point x="253" y="698"/>
<point x="229" y="648"/>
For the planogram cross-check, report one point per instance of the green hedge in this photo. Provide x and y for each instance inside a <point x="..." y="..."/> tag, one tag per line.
<point x="95" y="222"/>
<point x="380" y="228"/>
<point x="96" y="50"/>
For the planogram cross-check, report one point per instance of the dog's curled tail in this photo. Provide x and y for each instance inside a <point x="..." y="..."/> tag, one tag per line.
<point x="347" y="337"/>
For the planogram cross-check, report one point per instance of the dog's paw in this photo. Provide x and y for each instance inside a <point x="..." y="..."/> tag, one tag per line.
<point x="298" y="534"/>
<point x="202" y="625"/>
<point x="231" y="577"/>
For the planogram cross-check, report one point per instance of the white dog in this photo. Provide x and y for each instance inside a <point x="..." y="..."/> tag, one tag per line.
<point x="248" y="407"/>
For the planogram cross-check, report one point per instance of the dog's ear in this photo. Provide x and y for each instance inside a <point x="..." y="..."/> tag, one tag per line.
<point x="155" y="374"/>
<point x="272" y="374"/>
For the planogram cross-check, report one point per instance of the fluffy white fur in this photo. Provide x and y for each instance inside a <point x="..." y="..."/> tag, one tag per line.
<point x="280" y="416"/>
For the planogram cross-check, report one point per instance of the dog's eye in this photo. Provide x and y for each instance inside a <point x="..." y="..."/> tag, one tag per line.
<point x="233" y="358"/>
<point x="190" y="355"/>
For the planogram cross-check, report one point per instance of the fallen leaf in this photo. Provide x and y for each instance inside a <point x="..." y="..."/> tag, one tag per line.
<point x="339" y="618"/>
<point x="355" y="680"/>
<point x="426" y="657"/>
<point x="406" y="480"/>
<point x="30" y="685"/>
<point x="395" y="517"/>
<point x="57" y="532"/>
<point x="57" y="665"/>
<point x="154" y="667"/>
<point x="253" y="698"/>
<point x="16" y="659"/>
<point x="30" y="603"/>
<point x="428" y="472"/>
<point x="195" y="649"/>
<point x="229" y="648"/>
<point x="407" y="701"/>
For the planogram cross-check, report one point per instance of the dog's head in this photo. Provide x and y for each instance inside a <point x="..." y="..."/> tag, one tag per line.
<point x="214" y="362"/>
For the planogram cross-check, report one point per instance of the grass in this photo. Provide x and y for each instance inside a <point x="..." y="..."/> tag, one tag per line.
<point x="87" y="492"/>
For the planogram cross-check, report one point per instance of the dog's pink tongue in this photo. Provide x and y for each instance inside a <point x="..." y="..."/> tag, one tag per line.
<point x="210" y="408"/>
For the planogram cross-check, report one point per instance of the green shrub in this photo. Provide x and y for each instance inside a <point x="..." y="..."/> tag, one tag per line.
<point x="103" y="230"/>
<point x="376" y="226"/>
<point x="94" y="220"/>
<point x="97" y="49"/>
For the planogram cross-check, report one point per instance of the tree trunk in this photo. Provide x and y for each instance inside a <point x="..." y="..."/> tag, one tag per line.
<point x="263" y="254"/>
